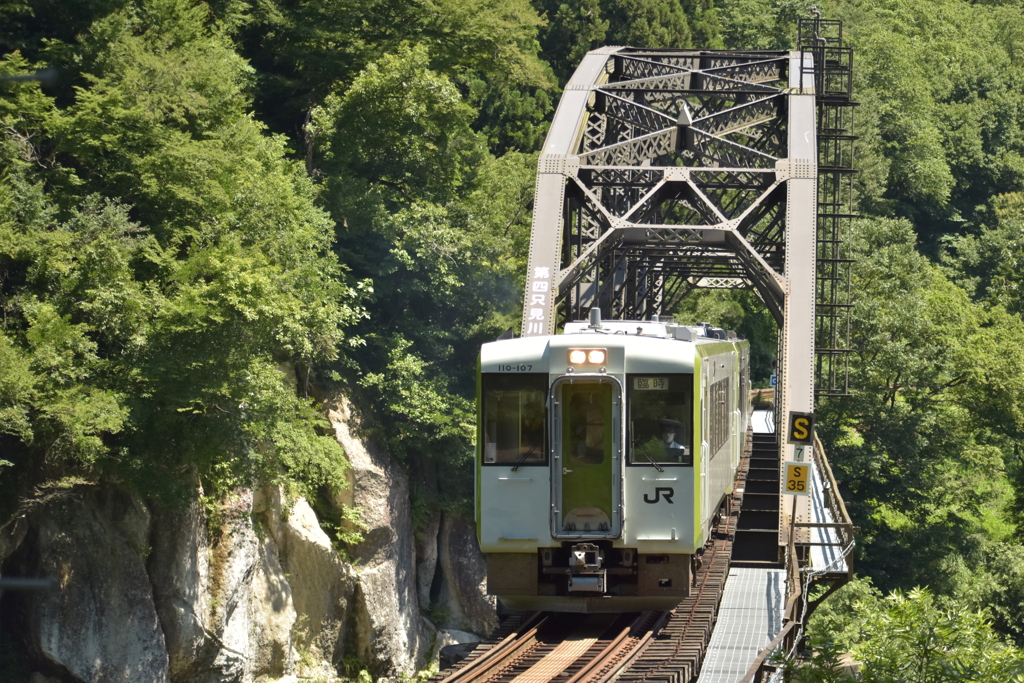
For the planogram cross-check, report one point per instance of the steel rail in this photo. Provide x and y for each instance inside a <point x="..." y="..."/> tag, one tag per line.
<point x="603" y="666"/>
<point x="492" y="660"/>
<point x="524" y="655"/>
<point x="638" y="651"/>
<point x="596" y="662"/>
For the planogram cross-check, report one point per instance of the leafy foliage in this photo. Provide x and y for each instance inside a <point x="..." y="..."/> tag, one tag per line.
<point x="915" y="637"/>
<point x="759" y="25"/>
<point x="164" y="269"/>
<point x="918" y="448"/>
<point x="574" y="28"/>
<point x="928" y="447"/>
<point x="440" y="225"/>
<point x="941" y="122"/>
<point x="305" y="50"/>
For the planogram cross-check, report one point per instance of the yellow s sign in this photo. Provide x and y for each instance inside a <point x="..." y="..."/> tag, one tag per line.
<point x="801" y="427"/>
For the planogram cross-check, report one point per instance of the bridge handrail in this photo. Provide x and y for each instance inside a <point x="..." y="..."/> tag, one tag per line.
<point x="834" y="504"/>
<point x="754" y="673"/>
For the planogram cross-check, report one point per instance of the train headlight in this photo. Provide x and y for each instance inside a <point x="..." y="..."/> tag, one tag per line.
<point x="587" y="356"/>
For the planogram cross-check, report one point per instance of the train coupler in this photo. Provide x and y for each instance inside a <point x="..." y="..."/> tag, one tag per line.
<point x="585" y="572"/>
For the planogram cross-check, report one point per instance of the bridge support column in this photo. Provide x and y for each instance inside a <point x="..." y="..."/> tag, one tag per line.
<point x="796" y="372"/>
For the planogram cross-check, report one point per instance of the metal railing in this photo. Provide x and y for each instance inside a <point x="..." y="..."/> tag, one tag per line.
<point x="834" y="505"/>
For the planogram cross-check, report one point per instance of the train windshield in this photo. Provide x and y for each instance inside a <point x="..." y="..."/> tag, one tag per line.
<point x="660" y="419"/>
<point x="514" y="415"/>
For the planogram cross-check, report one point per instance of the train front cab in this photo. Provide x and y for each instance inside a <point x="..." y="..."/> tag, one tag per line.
<point x="582" y="505"/>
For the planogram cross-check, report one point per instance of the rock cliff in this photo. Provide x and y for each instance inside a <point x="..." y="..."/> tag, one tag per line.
<point x="248" y="589"/>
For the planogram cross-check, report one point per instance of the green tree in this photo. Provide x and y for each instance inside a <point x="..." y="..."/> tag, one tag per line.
<point x="940" y="126"/>
<point x="912" y="637"/>
<point x="302" y="51"/>
<point x="920" y="452"/>
<point x="164" y="271"/>
<point x="757" y="25"/>
<point x="441" y="227"/>
<point x="575" y="28"/>
<point x="988" y="264"/>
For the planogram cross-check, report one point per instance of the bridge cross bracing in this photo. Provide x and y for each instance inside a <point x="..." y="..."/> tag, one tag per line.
<point x="666" y="170"/>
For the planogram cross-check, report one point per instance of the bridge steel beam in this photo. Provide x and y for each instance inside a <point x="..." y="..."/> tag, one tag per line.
<point x="796" y="335"/>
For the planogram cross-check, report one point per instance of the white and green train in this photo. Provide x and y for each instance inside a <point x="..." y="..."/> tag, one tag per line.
<point x="604" y="455"/>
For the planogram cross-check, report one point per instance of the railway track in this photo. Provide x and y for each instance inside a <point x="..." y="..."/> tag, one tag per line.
<point x="647" y="647"/>
<point x="568" y="648"/>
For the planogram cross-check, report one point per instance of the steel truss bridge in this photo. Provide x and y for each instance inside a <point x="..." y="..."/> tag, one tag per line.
<point x="668" y="170"/>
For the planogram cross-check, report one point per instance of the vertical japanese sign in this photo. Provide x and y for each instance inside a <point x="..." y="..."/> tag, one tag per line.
<point x="538" y="302"/>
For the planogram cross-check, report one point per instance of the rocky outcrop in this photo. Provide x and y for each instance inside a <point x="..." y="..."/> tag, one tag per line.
<point x="225" y="602"/>
<point x="251" y="600"/>
<point x="11" y="536"/>
<point x="204" y="612"/>
<point x="391" y="637"/>
<point x="179" y="570"/>
<point x="424" y="487"/>
<point x="426" y="558"/>
<point x="100" y="625"/>
<point x="464" y="569"/>
<point x="451" y="642"/>
<point x="264" y="599"/>
<point x="322" y="585"/>
<point x="251" y="589"/>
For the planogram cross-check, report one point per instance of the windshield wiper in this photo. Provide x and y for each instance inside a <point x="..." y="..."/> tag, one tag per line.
<point x="523" y="459"/>
<point x="656" y="465"/>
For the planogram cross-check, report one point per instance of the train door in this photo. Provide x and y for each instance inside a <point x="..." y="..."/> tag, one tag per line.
<point x="586" y="480"/>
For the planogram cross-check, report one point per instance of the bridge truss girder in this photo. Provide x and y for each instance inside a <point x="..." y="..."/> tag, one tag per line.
<point x="666" y="170"/>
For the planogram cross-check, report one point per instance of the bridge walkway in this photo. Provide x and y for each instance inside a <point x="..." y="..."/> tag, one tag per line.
<point x="750" y="615"/>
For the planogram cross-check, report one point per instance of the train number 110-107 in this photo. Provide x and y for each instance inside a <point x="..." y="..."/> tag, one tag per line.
<point x="520" y="367"/>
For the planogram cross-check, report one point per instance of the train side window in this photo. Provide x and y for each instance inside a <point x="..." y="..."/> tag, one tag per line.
<point x="515" y="419"/>
<point x="718" y="411"/>
<point x="660" y="419"/>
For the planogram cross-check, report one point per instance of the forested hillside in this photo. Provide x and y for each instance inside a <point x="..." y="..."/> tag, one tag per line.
<point x="215" y="215"/>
